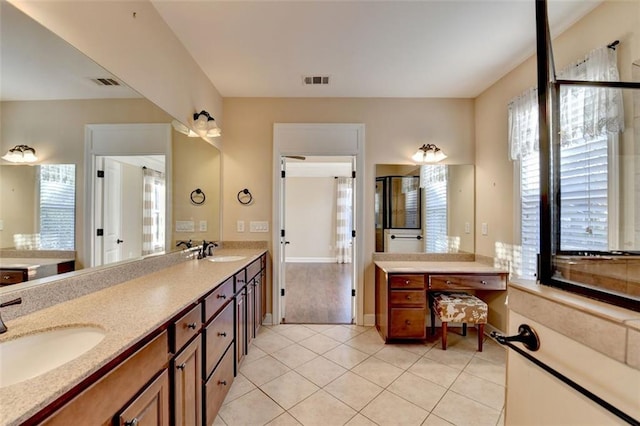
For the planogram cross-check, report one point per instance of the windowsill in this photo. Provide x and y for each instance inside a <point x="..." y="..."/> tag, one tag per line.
<point x="606" y="328"/>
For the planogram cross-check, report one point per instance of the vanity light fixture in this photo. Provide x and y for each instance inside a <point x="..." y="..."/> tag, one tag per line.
<point x="21" y="154"/>
<point x="205" y="125"/>
<point x="428" y="153"/>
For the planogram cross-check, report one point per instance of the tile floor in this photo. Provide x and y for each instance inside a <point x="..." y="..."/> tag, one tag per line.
<point x="345" y="375"/>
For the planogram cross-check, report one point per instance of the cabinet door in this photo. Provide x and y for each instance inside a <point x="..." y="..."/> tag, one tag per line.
<point x="241" y="329"/>
<point x="251" y="311"/>
<point x="188" y="385"/>
<point x="151" y="407"/>
<point x="218" y="385"/>
<point x="259" y="311"/>
<point x="263" y="294"/>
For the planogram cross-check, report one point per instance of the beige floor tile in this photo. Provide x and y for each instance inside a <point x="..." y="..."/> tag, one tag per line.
<point x="321" y="371"/>
<point x="377" y="371"/>
<point x="460" y="410"/>
<point x="389" y="409"/>
<point x="262" y="411"/>
<point x="346" y="356"/>
<point x="397" y="356"/>
<point x="434" y="420"/>
<point x="284" y="419"/>
<point x="263" y="370"/>
<point x="421" y="392"/>
<point x="434" y="371"/>
<point x="501" y="419"/>
<point x="493" y="352"/>
<point x="294" y="355"/>
<point x="239" y="387"/>
<point x="417" y="347"/>
<point x="353" y="390"/>
<point x="367" y="342"/>
<point x="271" y="342"/>
<point x="255" y="353"/>
<point x="294" y="332"/>
<point x="360" y="420"/>
<point x="359" y="328"/>
<point x="454" y="358"/>
<point x="289" y="389"/>
<point x="341" y="333"/>
<point x="487" y="370"/>
<point x="481" y="390"/>
<point x="319" y="343"/>
<point x="322" y="409"/>
<point x="319" y="327"/>
<point x="218" y="422"/>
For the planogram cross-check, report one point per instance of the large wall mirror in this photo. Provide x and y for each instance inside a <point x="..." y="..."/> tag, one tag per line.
<point x="50" y="96"/>
<point x="425" y="209"/>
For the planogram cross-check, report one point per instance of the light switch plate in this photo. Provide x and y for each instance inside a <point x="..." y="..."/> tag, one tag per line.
<point x="258" y="226"/>
<point x="467" y="228"/>
<point x="485" y="228"/>
<point x="240" y="226"/>
<point x="185" y="226"/>
<point x="203" y="226"/>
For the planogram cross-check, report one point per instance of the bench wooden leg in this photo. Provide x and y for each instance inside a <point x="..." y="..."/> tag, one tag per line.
<point x="480" y="336"/>
<point x="464" y="328"/>
<point x="444" y="336"/>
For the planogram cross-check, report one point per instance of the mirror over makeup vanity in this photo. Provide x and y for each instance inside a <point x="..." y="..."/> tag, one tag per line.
<point x="52" y="99"/>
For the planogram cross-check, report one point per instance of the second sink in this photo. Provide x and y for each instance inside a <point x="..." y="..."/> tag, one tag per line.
<point x="225" y="258"/>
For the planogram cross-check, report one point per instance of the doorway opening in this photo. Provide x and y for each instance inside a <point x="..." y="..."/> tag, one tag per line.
<point x="318" y="204"/>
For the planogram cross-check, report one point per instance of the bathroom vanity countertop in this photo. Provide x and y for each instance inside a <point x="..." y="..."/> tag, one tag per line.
<point x="127" y="312"/>
<point x="30" y="262"/>
<point x="418" y="267"/>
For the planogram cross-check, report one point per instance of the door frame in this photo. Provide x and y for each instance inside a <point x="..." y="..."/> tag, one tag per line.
<point x="123" y="139"/>
<point x="327" y="139"/>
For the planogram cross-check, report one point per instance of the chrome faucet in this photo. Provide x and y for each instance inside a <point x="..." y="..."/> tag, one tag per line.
<point x="3" y="328"/>
<point x="187" y="244"/>
<point x="207" y="248"/>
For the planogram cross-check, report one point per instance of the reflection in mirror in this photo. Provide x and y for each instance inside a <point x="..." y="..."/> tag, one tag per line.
<point x="38" y="210"/>
<point x="84" y="94"/>
<point x="426" y="208"/>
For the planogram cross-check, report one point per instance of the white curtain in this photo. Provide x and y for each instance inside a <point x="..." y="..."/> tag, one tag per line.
<point x="523" y="124"/>
<point x="344" y="191"/>
<point x="153" y="208"/>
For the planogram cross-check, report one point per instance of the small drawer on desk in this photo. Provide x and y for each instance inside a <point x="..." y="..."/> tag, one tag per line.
<point x="217" y="299"/>
<point x="13" y="276"/>
<point x="468" y="282"/>
<point x="187" y="327"/>
<point x="415" y="298"/>
<point x="408" y="323"/>
<point x="407" y="281"/>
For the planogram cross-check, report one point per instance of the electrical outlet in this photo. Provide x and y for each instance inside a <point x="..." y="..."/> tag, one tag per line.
<point x="258" y="226"/>
<point x="485" y="228"/>
<point x="240" y="226"/>
<point x="1" y="225"/>
<point x="203" y="226"/>
<point x="185" y="226"/>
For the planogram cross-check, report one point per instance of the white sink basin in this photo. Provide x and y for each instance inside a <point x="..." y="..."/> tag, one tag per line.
<point x="32" y="355"/>
<point x="225" y="258"/>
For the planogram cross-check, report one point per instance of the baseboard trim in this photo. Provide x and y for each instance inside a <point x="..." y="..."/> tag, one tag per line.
<point x="369" y="320"/>
<point x="268" y="319"/>
<point x="311" y="260"/>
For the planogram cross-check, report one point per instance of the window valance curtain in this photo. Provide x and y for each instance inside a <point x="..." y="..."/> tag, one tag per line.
<point x="344" y="191"/>
<point x="602" y="107"/>
<point x="153" y="202"/>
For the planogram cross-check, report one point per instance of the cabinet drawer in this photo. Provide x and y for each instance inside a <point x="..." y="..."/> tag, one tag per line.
<point x="253" y="269"/>
<point x="407" y="281"/>
<point x="16" y="276"/>
<point x="415" y="298"/>
<point x="408" y="323"/>
<point x="218" y="336"/>
<point x="240" y="280"/>
<point x="215" y="301"/>
<point x="468" y="282"/>
<point x="218" y="385"/>
<point x="187" y="327"/>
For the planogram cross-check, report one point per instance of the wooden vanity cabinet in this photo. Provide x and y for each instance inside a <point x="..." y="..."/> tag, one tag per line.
<point x="151" y="407"/>
<point x="13" y="276"/>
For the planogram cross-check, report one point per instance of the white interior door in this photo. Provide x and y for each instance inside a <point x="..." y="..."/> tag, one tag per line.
<point x="354" y="241"/>
<point x="112" y="211"/>
<point x="282" y="266"/>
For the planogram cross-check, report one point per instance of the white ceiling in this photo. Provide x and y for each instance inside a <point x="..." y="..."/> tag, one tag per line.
<point x="448" y="48"/>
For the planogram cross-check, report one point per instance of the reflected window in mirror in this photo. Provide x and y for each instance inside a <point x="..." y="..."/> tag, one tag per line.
<point x="434" y="183"/>
<point x="57" y="206"/>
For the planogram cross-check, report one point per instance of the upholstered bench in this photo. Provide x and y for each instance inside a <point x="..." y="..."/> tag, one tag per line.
<point x="458" y="307"/>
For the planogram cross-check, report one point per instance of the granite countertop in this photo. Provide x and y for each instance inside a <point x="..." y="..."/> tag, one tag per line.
<point x="417" y="267"/>
<point x="127" y="312"/>
<point x="30" y="262"/>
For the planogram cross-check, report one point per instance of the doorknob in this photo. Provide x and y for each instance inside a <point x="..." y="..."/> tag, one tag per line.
<point x="287" y="242"/>
<point x="119" y="241"/>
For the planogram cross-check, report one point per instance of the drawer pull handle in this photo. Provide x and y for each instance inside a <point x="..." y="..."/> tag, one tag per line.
<point x="222" y="333"/>
<point x="408" y="297"/>
<point x="406" y="282"/>
<point x="448" y="282"/>
<point x="192" y="325"/>
<point x="181" y="366"/>
<point x="483" y="282"/>
<point x="133" y="422"/>
<point x="221" y="296"/>
<point x="222" y="382"/>
<point x="6" y="277"/>
<point x="408" y="322"/>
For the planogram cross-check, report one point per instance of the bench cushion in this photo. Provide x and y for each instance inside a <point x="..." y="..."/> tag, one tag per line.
<point x="459" y="308"/>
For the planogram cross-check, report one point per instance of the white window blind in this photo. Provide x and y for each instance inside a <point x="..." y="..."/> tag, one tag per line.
<point x="529" y="214"/>
<point x="434" y="181"/>
<point x="57" y="206"/>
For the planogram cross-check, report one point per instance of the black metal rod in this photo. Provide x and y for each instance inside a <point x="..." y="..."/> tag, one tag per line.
<point x="610" y="84"/>
<point x="595" y="398"/>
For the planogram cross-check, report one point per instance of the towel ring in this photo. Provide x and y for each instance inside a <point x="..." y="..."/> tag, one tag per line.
<point x="245" y="197"/>
<point x="197" y="196"/>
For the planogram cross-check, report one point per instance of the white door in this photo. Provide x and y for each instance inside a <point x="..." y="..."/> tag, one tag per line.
<point x="112" y="212"/>
<point x="283" y="240"/>
<point x="354" y="247"/>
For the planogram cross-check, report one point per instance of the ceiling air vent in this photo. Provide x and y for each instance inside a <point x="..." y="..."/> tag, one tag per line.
<point x="315" y="80"/>
<point x="101" y="81"/>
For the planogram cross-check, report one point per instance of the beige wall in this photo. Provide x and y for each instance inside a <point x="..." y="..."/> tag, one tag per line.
<point x="394" y="129"/>
<point x="18" y="202"/>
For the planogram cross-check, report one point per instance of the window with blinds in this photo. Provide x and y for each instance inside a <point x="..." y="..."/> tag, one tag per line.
<point x="57" y="206"/>
<point x="434" y="181"/>
<point x="529" y="214"/>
